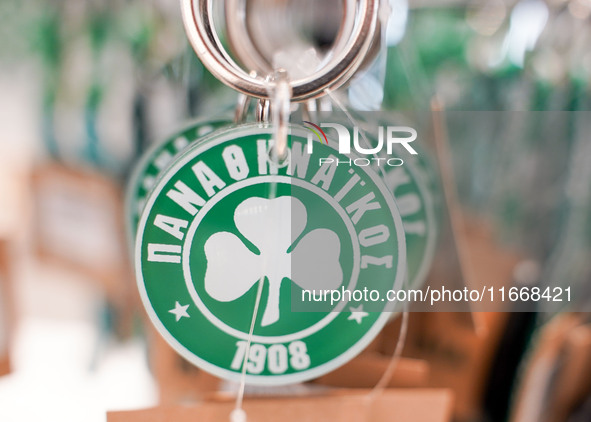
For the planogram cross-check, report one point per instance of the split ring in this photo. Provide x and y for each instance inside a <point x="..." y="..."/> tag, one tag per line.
<point x="339" y="68"/>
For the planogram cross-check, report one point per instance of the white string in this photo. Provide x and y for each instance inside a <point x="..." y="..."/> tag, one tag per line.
<point x="238" y="414"/>
<point x="280" y="106"/>
<point x="396" y="355"/>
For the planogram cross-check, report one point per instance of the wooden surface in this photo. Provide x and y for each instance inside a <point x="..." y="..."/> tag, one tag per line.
<point x="346" y="406"/>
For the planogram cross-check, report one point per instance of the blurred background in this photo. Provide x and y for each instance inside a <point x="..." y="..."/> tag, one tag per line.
<point x="88" y="86"/>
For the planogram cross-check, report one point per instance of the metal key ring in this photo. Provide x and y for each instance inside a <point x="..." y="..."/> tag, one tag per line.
<point x="249" y="53"/>
<point x="337" y="71"/>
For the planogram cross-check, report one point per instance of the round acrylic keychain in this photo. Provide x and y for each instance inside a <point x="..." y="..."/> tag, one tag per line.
<point x="256" y="220"/>
<point x="211" y="231"/>
<point x="417" y="194"/>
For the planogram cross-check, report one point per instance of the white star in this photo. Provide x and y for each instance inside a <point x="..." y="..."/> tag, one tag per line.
<point x="179" y="311"/>
<point x="357" y="314"/>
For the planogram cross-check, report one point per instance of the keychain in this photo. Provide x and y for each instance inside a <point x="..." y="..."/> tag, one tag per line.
<point x="418" y="195"/>
<point x="412" y="181"/>
<point x="247" y="238"/>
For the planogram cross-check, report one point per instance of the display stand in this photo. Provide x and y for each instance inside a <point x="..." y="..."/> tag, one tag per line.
<point x="460" y="355"/>
<point x="77" y="223"/>
<point x="78" y="226"/>
<point x="343" y="405"/>
<point x="458" y="341"/>
<point x="366" y="370"/>
<point x="178" y="381"/>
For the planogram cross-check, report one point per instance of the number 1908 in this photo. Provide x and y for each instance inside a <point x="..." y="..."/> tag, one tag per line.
<point x="277" y="358"/>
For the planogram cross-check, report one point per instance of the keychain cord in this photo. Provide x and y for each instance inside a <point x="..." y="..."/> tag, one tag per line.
<point x="238" y="414"/>
<point x="389" y="372"/>
<point x="280" y="110"/>
<point x="280" y="94"/>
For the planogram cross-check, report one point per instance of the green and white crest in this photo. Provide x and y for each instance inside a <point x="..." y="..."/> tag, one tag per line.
<point x="223" y="219"/>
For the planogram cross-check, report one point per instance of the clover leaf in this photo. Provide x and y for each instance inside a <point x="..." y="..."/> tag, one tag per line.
<point x="273" y="226"/>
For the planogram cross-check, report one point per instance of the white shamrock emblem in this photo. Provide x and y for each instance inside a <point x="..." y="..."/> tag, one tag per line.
<point x="272" y="225"/>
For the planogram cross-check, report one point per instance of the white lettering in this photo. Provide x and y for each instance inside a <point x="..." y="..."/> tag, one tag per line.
<point x="162" y="253"/>
<point x="171" y="225"/>
<point x="185" y="197"/>
<point x="235" y="162"/>
<point x="208" y="179"/>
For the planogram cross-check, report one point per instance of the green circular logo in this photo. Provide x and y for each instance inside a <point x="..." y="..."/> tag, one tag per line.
<point x="225" y="226"/>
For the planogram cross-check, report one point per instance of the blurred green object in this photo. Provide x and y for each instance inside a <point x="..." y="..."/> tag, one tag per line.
<point x="155" y="161"/>
<point x="435" y="40"/>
